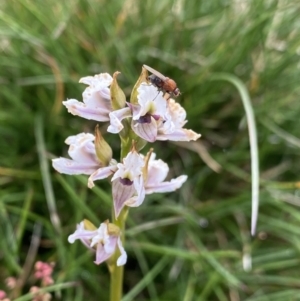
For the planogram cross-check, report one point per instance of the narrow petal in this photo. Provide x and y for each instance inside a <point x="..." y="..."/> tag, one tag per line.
<point x="166" y="186"/>
<point x="116" y="118"/>
<point x="71" y="167"/>
<point x="121" y="193"/>
<point x="147" y="131"/>
<point x="81" y="233"/>
<point x="80" y="109"/>
<point x="178" y="135"/>
<point x="101" y="173"/>
<point x="123" y="258"/>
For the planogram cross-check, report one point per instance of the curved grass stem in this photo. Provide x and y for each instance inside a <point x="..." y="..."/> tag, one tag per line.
<point x="252" y="139"/>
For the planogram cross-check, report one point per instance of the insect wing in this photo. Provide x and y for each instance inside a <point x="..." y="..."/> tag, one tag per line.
<point x="156" y="73"/>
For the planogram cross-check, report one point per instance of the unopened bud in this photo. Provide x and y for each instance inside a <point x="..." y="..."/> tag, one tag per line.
<point x="103" y="150"/>
<point x="142" y="79"/>
<point x="118" y="98"/>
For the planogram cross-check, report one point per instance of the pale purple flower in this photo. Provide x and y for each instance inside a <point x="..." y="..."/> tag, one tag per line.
<point x="132" y="182"/>
<point x="84" y="159"/>
<point x="105" y="241"/>
<point x="135" y="178"/>
<point x="153" y="118"/>
<point x="146" y="115"/>
<point x="96" y="103"/>
<point x="128" y="183"/>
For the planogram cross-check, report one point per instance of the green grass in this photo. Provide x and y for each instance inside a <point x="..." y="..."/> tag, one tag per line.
<point x="188" y="245"/>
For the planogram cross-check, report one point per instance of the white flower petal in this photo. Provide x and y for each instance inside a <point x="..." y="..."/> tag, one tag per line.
<point x="178" y="135"/>
<point x="81" y="234"/>
<point x="148" y="93"/>
<point x="139" y="196"/>
<point x="101" y="173"/>
<point x="151" y="101"/>
<point x="171" y="128"/>
<point x="177" y="112"/>
<point x="131" y="168"/>
<point x="83" y="110"/>
<point x="123" y="257"/>
<point x="135" y="110"/>
<point x="70" y="167"/>
<point x="82" y="149"/>
<point x="75" y="139"/>
<point x="157" y="170"/>
<point x="97" y="99"/>
<point x="121" y="193"/>
<point x="166" y="186"/>
<point x="147" y="131"/>
<point x="101" y="255"/>
<point x="116" y="118"/>
<point x="102" y="79"/>
<point x="101" y="234"/>
<point x="110" y="245"/>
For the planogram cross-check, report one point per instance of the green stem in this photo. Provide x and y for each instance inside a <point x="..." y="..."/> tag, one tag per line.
<point x="116" y="273"/>
<point x="116" y="283"/>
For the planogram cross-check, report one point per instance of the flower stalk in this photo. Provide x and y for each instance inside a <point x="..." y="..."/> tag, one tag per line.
<point x="117" y="272"/>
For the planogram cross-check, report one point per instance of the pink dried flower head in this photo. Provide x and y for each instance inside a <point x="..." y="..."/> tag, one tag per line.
<point x="38" y="295"/>
<point x="2" y="294"/>
<point x="43" y="271"/>
<point x="11" y="282"/>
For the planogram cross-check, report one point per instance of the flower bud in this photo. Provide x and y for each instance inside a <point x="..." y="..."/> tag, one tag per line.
<point x="117" y="96"/>
<point x="103" y="150"/>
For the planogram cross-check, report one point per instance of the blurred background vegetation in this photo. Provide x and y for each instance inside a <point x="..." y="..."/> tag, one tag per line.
<point x="192" y="245"/>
